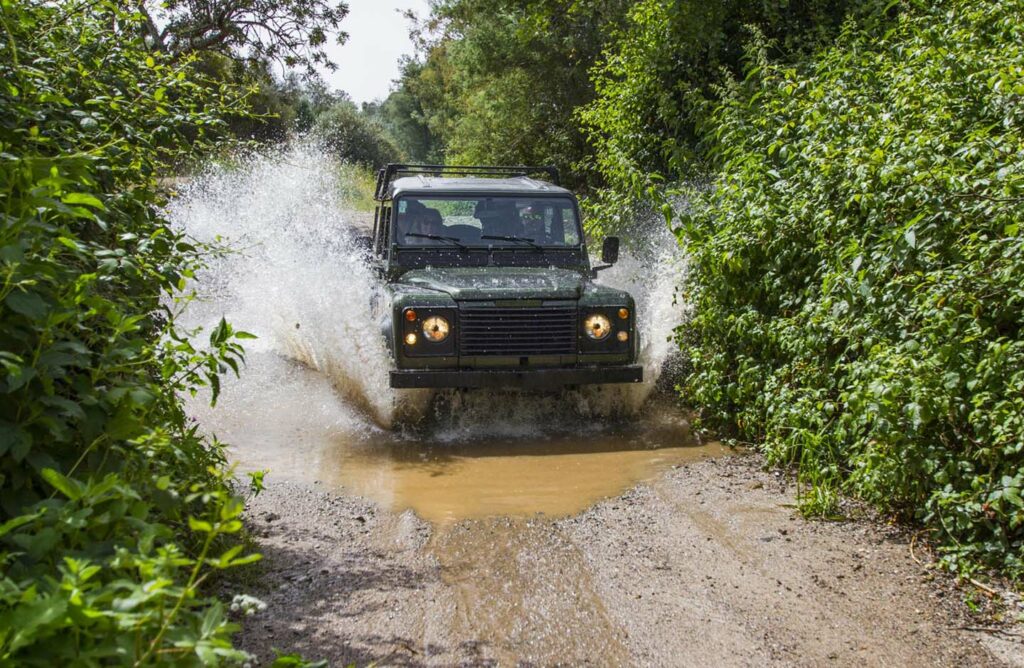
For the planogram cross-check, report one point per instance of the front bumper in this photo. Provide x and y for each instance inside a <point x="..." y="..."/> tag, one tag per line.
<point x="534" y="379"/>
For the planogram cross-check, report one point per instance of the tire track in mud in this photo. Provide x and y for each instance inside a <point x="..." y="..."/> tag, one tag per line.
<point x="525" y="591"/>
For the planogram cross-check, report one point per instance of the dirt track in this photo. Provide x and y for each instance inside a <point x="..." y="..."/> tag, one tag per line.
<point x="707" y="565"/>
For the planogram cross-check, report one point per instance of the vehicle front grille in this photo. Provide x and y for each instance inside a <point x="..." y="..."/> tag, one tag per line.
<point x="545" y="330"/>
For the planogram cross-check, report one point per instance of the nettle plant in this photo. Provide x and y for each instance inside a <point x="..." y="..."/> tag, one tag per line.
<point x="857" y="272"/>
<point x="113" y="510"/>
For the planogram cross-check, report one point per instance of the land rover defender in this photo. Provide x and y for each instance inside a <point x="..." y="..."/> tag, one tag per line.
<point x="485" y="281"/>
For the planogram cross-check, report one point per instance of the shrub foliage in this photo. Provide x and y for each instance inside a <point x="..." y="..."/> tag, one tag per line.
<point x="353" y="138"/>
<point x="661" y="76"/>
<point x="857" y="272"/>
<point x="112" y="508"/>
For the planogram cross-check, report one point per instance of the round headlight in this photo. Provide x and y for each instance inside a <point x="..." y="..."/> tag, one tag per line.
<point x="597" y="326"/>
<point x="435" y="328"/>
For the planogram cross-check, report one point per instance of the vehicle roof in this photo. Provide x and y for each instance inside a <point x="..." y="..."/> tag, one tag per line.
<point x="436" y="185"/>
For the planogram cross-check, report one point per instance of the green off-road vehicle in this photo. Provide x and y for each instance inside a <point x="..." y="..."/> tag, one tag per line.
<point x="486" y="282"/>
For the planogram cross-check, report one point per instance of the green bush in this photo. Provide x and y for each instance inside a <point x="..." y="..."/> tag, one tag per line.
<point x="661" y="76"/>
<point x="354" y="138"/>
<point x="857" y="270"/>
<point x="113" y="510"/>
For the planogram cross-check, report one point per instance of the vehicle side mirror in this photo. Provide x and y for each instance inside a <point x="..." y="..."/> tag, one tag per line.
<point x="365" y="243"/>
<point x="610" y="250"/>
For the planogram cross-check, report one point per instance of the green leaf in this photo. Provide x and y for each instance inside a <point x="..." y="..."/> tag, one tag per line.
<point x="200" y="526"/>
<point x="247" y="559"/>
<point x="39" y="544"/>
<point x="21" y="520"/>
<point x="33" y="617"/>
<point x="14" y="439"/>
<point x="213" y="618"/>
<point x="69" y="243"/>
<point x="295" y="661"/>
<point x="29" y="304"/>
<point x="225" y="559"/>
<point x="84" y="199"/>
<point x="66" y="486"/>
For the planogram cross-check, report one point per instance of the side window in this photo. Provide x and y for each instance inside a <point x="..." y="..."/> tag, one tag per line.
<point x="383" y="226"/>
<point x="570" y="227"/>
<point x="376" y="230"/>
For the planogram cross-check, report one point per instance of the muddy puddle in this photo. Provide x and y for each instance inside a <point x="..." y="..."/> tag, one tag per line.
<point x="507" y="456"/>
<point x="557" y="476"/>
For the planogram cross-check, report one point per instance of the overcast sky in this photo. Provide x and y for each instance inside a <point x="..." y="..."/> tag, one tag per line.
<point x="378" y="35"/>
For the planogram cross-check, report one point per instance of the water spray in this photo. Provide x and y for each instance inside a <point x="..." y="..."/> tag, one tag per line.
<point x="296" y="279"/>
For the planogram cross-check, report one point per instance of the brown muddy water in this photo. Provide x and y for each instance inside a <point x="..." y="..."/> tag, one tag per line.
<point x="505" y="455"/>
<point x="557" y="476"/>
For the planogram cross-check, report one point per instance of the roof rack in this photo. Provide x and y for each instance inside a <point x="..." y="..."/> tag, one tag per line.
<point x="394" y="170"/>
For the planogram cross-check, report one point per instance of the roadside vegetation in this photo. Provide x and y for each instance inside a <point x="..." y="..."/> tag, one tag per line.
<point x="115" y="513"/>
<point x="856" y="272"/>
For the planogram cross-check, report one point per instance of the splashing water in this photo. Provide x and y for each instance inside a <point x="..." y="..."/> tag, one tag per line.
<point x="650" y="271"/>
<point x="295" y="279"/>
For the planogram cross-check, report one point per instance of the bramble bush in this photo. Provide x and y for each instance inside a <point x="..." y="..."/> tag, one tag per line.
<point x="857" y="271"/>
<point x="113" y="510"/>
<point x="661" y="77"/>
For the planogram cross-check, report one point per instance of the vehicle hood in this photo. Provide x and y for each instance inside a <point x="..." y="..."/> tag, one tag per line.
<point x="468" y="283"/>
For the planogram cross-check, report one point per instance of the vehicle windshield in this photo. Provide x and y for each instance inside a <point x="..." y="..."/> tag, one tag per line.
<point x="487" y="220"/>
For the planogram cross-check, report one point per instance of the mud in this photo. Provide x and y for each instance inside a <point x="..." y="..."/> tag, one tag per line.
<point x="705" y="564"/>
<point x="493" y="455"/>
<point x="556" y="477"/>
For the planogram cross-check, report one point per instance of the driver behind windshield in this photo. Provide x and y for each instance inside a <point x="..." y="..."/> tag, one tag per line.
<point x="497" y="217"/>
<point x="533" y="225"/>
<point x="425" y="222"/>
<point x="512" y="222"/>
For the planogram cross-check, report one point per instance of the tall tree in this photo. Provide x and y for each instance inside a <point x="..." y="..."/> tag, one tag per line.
<point x="670" y="61"/>
<point x="290" y="32"/>
<point x="404" y="119"/>
<point x="500" y="80"/>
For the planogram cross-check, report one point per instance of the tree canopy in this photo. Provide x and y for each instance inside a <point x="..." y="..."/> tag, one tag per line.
<point x="292" y="33"/>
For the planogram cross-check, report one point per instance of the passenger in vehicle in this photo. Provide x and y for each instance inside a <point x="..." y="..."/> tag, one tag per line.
<point x="533" y="225"/>
<point x="497" y="217"/>
<point x="433" y="222"/>
<point x="428" y="221"/>
<point x="407" y="219"/>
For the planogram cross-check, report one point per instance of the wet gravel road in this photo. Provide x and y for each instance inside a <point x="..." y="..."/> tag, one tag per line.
<point x="708" y="564"/>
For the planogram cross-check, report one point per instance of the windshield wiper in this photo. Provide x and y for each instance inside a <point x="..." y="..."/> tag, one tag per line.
<point x="520" y="239"/>
<point x="438" y="237"/>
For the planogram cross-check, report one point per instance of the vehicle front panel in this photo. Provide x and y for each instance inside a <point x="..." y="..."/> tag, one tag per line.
<point x="489" y="289"/>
